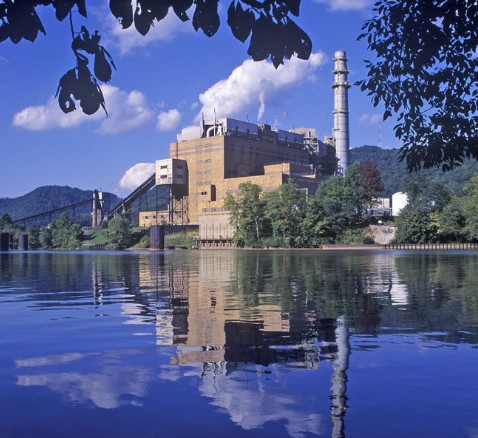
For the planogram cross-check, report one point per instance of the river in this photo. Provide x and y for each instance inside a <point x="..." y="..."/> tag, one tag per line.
<point x="239" y="343"/>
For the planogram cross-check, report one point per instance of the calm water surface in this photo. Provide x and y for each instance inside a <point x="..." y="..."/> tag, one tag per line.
<point x="239" y="343"/>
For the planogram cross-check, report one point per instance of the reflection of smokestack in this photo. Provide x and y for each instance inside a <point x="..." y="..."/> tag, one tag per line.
<point x="339" y="379"/>
<point x="341" y="111"/>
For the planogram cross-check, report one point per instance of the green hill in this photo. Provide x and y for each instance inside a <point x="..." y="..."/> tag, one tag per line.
<point x="48" y="198"/>
<point x="394" y="171"/>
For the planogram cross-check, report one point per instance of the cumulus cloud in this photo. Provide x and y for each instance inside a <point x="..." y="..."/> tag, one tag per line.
<point x="370" y="119"/>
<point x="126" y="40"/>
<point x="346" y="5"/>
<point x="252" y="84"/>
<point x="169" y="120"/>
<point x="136" y="175"/>
<point x="125" y="111"/>
<point x="49" y="116"/>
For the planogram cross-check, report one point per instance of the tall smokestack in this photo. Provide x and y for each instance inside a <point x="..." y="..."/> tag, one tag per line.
<point x="341" y="112"/>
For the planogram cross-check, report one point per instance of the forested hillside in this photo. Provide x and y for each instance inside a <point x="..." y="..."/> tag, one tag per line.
<point x="47" y="198"/>
<point x="394" y="171"/>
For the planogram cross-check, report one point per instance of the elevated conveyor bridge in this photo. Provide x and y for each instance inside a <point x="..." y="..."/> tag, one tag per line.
<point x="48" y="214"/>
<point x="125" y="205"/>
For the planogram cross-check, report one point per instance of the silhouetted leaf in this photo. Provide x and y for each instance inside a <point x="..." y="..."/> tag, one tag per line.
<point x="88" y="90"/>
<point x="63" y="8"/>
<point x="261" y="39"/>
<point x="66" y="89"/>
<point x="80" y="84"/>
<point x="160" y="8"/>
<point x="240" y="21"/>
<point x="299" y="41"/>
<point x="123" y="11"/>
<point x="3" y="32"/>
<point x="103" y="64"/>
<point x="23" y="22"/>
<point x="143" y="19"/>
<point x="293" y="6"/>
<point x="206" y="17"/>
<point x="180" y="7"/>
<point x="81" y="7"/>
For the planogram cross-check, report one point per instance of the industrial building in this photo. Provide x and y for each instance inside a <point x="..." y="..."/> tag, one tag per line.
<point x="211" y="160"/>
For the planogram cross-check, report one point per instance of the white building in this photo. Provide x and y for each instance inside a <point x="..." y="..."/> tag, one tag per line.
<point x="399" y="202"/>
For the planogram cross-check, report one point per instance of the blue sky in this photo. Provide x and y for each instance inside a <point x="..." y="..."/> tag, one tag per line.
<point x="163" y="82"/>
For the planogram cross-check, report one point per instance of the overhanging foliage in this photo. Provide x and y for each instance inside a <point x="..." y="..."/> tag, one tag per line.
<point x="426" y="74"/>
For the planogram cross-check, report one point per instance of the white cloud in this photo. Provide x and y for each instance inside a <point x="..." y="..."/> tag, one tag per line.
<point x="126" y="40"/>
<point x="370" y="119"/>
<point x="125" y="111"/>
<point x="252" y="84"/>
<point x="135" y="176"/>
<point x="3" y="60"/>
<point x="49" y="116"/>
<point x="169" y="120"/>
<point x="346" y="5"/>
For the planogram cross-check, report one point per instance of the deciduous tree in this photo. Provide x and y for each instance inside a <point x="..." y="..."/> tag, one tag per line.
<point x="369" y="182"/>
<point x="65" y="234"/>
<point x="119" y="233"/>
<point x="415" y="226"/>
<point x="247" y="213"/>
<point x="285" y="207"/>
<point x="426" y="74"/>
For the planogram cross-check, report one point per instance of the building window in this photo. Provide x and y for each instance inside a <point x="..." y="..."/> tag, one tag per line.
<point x="164" y="166"/>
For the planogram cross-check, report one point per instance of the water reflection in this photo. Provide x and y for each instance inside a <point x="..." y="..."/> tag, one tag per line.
<point x="109" y="387"/>
<point x="264" y="336"/>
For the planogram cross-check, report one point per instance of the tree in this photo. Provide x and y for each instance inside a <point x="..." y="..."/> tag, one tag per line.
<point x="65" y="234"/>
<point x="426" y="73"/>
<point x="453" y="221"/>
<point x="34" y="239"/>
<point x="333" y="209"/>
<point x="369" y="182"/>
<point x="267" y="24"/>
<point x="285" y="208"/>
<point x="119" y="233"/>
<point x="425" y="195"/>
<point x="46" y="241"/>
<point x="414" y="226"/>
<point x="247" y="213"/>
<point x="6" y="224"/>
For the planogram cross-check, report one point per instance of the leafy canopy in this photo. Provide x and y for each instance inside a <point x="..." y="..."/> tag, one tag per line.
<point x="267" y="24"/>
<point x="426" y="73"/>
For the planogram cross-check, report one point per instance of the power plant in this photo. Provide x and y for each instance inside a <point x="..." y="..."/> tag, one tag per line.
<point x="209" y="161"/>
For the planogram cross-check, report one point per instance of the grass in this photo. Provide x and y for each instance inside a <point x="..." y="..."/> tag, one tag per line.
<point x="187" y="240"/>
